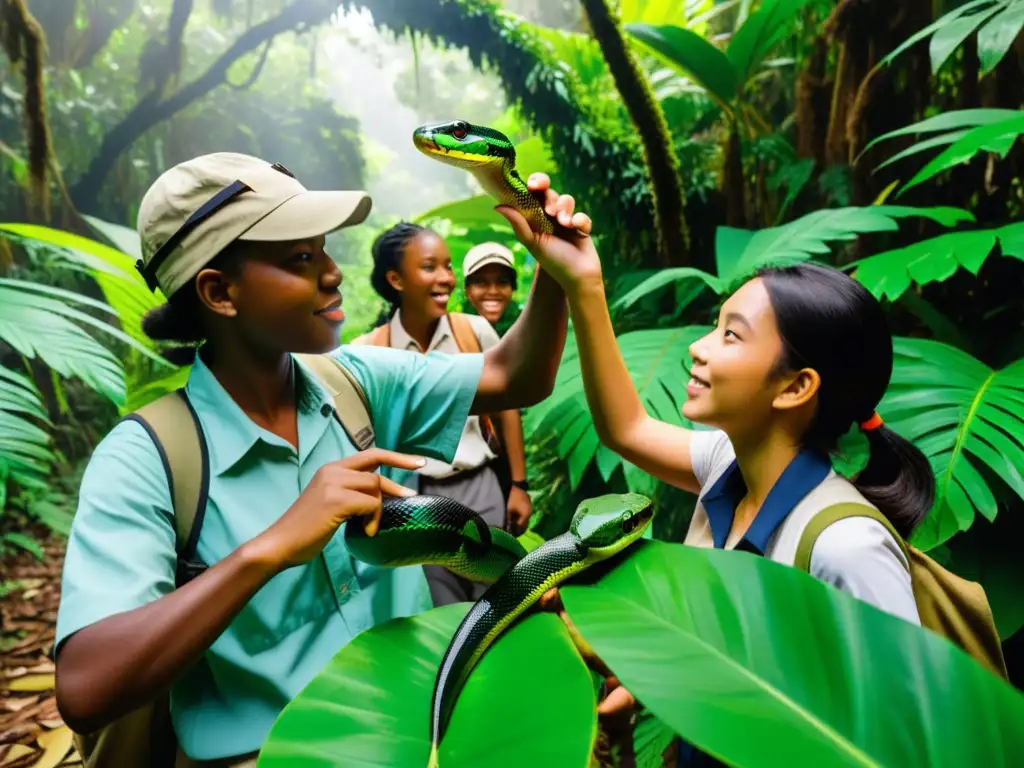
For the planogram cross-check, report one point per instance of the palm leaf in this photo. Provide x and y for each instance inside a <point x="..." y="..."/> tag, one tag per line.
<point x="800" y="240"/>
<point x="760" y="664"/>
<point x="947" y="121"/>
<point x="114" y="271"/>
<point x="891" y="273"/>
<point x="740" y="252"/>
<point x="964" y="416"/>
<point x="950" y="30"/>
<point x="24" y="447"/>
<point x="995" y="137"/>
<point x="38" y="325"/>
<point x="996" y="37"/>
<point x="657" y="361"/>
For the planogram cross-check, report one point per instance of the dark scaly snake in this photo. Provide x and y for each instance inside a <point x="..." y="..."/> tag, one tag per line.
<point x="440" y="531"/>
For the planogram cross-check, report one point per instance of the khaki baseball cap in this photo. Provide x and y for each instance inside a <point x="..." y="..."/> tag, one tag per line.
<point x="487" y="253"/>
<point x="197" y="208"/>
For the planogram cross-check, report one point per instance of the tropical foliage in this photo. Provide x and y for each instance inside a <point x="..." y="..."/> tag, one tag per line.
<point x="879" y="138"/>
<point x="748" y="697"/>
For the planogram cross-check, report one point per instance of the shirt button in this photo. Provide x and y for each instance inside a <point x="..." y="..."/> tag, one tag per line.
<point x="325" y="409"/>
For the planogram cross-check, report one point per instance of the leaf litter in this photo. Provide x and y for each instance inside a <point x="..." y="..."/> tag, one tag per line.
<point x="32" y="733"/>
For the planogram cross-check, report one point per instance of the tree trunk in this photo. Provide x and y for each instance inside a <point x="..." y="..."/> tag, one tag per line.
<point x="656" y="139"/>
<point x="152" y="109"/>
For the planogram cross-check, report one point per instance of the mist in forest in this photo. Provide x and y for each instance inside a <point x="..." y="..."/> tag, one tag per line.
<point x="366" y="66"/>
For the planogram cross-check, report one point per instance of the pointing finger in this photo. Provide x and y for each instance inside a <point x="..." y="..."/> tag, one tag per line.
<point x="368" y="461"/>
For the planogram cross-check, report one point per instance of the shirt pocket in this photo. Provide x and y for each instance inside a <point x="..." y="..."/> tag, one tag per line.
<point x="288" y="602"/>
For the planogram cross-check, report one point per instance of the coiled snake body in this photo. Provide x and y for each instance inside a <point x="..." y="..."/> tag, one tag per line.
<point x="440" y="531"/>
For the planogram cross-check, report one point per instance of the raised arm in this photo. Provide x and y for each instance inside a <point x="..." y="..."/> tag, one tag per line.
<point x="520" y="370"/>
<point x="619" y="416"/>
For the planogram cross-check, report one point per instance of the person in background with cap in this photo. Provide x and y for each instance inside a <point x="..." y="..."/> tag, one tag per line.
<point x="237" y="244"/>
<point x="489" y="280"/>
<point x="412" y="271"/>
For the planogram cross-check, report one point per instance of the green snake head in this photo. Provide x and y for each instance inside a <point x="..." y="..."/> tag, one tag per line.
<point x="608" y="524"/>
<point x="464" y="145"/>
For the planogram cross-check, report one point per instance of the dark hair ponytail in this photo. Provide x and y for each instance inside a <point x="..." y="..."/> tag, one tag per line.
<point x="179" y="322"/>
<point x="831" y="323"/>
<point x="388" y="249"/>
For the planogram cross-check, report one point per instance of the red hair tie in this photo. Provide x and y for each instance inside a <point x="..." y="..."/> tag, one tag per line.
<point x="873" y="423"/>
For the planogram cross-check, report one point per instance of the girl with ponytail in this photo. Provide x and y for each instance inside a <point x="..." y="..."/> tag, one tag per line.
<point x="799" y="356"/>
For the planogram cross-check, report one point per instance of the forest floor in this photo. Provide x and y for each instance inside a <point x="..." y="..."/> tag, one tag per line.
<point x="31" y="730"/>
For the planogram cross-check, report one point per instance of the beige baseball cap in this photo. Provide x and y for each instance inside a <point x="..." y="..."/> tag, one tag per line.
<point x="197" y="208"/>
<point x="487" y="253"/>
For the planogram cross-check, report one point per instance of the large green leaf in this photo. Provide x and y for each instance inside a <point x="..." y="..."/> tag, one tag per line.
<point x="890" y="274"/>
<point x="692" y="55"/>
<point x="740" y="252"/>
<point x="114" y="271"/>
<point x="657" y="362"/>
<point x="954" y="125"/>
<point x="963" y="415"/>
<point x="759" y="664"/>
<point x="801" y="239"/>
<point x="996" y="37"/>
<point x="24" y="447"/>
<point x="35" y="324"/>
<point x="994" y="137"/>
<point x="950" y="30"/>
<point x="371" y="705"/>
<point x="759" y="34"/>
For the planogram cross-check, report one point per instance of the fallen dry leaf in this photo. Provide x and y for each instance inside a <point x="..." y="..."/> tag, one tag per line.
<point x="49" y="724"/>
<point x="15" y="751"/>
<point x="57" y="744"/>
<point x="16" y="705"/>
<point x="44" y="682"/>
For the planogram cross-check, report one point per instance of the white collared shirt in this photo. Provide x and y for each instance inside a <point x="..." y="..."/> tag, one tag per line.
<point x="857" y="554"/>
<point x="473" y="450"/>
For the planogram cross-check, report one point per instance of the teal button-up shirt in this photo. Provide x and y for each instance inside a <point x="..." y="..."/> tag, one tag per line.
<point x="121" y="551"/>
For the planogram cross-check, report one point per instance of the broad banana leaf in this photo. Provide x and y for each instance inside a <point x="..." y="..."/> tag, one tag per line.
<point x="757" y="663"/>
<point x="24" y="447"/>
<point x="530" y="702"/>
<point x="891" y="273"/>
<point x="961" y="414"/>
<point x="693" y="56"/>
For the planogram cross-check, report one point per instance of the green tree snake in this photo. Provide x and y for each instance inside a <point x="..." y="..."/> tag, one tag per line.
<point x="433" y="530"/>
<point x="440" y="531"/>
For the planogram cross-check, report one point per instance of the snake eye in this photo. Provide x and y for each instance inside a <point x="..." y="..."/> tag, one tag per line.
<point x="460" y="130"/>
<point x="628" y="524"/>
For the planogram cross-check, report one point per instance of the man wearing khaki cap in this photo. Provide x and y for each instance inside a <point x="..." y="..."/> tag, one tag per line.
<point x="489" y="279"/>
<point x="269" y="593"/>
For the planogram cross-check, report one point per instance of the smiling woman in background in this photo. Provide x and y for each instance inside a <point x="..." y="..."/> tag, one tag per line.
<point x="412" y="271"/>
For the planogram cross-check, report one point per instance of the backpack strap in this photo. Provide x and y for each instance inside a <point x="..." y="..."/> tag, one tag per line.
<point x="186" y="461"/>
<point x="351" y="405"/>
<point x="378" y="337"/>
<point x="834" y="514"/>
<point x="463" y="332"/>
